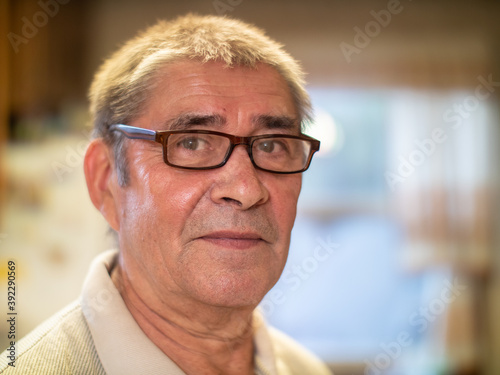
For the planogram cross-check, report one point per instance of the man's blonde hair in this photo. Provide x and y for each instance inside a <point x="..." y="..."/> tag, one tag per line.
<point x="123" y="83"/>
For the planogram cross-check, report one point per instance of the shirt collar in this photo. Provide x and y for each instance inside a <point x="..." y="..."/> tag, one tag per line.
<point x="123" y="347"/>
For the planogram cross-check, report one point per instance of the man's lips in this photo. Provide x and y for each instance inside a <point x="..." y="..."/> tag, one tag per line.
<point x="235" y="240"/>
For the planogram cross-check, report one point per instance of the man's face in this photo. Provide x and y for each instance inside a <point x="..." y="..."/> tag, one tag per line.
<point x="217" y="236"/>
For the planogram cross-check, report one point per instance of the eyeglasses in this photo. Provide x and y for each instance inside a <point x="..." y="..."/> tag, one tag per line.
<point x="206" y="149"/>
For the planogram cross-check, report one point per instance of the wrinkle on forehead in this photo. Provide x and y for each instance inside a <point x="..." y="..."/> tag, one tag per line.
<point x="205" y="85"/>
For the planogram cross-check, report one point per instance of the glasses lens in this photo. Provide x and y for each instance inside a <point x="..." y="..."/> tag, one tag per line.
<point x="196" y="150"/>
<point x="281" y="154"/>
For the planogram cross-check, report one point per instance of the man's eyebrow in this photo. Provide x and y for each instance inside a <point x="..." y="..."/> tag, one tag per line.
<point x="187" y="120"/>
<point x="276" y="122"/>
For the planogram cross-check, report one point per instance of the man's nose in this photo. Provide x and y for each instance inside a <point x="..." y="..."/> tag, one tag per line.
<point x="238" y="182"/>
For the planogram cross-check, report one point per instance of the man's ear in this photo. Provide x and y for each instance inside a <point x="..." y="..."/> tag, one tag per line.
<point x="101" y="181"/>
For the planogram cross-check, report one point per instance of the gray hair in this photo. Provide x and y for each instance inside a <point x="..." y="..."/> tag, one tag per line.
<point x="122" y="84"/>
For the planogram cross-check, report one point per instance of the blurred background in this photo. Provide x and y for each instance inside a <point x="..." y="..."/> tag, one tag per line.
<point x="394" y="266"/>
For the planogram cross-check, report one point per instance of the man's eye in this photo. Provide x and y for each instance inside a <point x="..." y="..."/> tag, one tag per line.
<point x="270" y="146"/>
<point x="192" y="143"/>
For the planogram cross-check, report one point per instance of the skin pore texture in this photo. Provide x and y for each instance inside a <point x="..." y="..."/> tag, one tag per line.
<point x="200" y="249"/>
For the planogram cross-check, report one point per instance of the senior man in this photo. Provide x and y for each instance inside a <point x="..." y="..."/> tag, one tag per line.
<point x="197" y="167"/>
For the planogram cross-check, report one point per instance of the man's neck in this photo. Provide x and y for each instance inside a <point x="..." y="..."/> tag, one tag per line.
<point x="200" y="339"/>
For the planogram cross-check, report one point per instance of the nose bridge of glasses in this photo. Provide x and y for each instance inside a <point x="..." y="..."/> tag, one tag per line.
<point x="237" y="140"/>
<point x="241" y="141"/>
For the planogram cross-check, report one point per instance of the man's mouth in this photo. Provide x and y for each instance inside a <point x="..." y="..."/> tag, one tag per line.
<point x="233" y="239"/>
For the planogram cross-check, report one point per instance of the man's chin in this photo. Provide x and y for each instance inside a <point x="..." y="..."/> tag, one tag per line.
<point x="234" y="292"/>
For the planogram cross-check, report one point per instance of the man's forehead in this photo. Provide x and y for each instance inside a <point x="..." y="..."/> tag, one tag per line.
<point x="197" y="89"/>
<point x="214" y="75"/>
<point x="184" y="67"/>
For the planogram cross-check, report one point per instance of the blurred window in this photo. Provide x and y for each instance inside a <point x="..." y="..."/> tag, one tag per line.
<point x="361" y="267"/>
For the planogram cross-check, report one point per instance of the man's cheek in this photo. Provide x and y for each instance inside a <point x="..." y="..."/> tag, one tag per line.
<point x="287" y="196"/>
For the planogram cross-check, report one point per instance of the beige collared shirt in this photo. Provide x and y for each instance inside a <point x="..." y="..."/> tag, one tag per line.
<point x="124" y="348"/>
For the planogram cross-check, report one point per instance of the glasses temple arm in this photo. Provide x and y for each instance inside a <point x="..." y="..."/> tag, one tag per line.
<point x="134" y="132"/>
